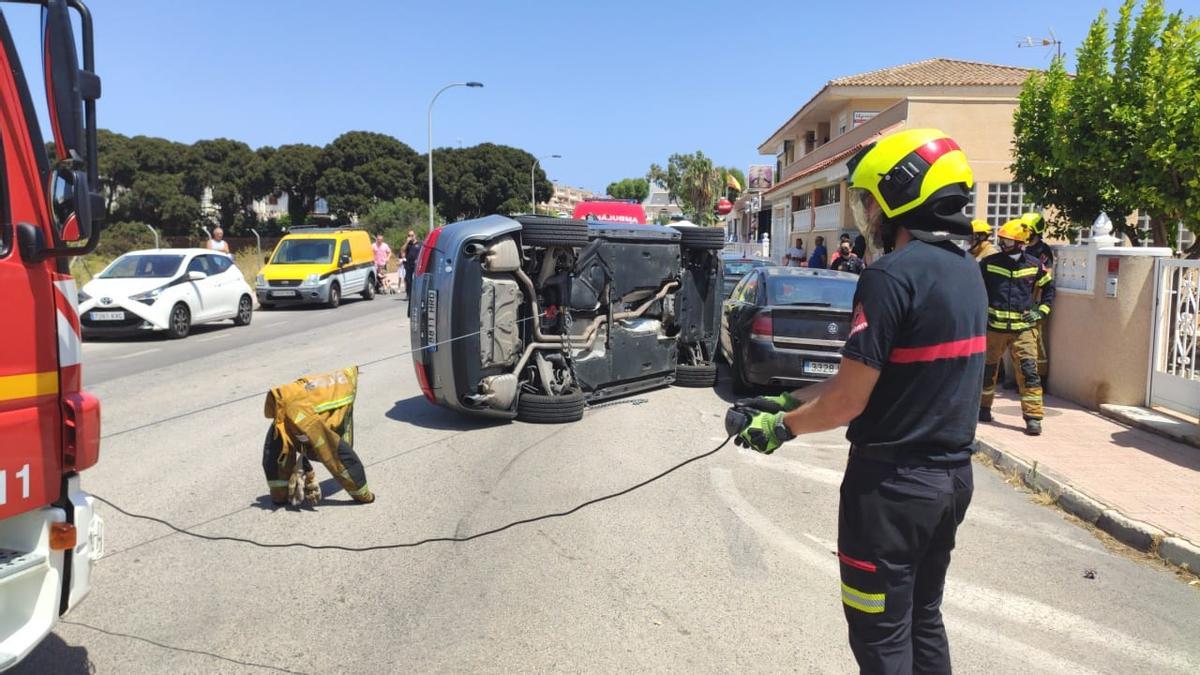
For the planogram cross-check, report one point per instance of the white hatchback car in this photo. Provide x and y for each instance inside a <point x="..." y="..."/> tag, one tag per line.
<point x="168" y="289"/>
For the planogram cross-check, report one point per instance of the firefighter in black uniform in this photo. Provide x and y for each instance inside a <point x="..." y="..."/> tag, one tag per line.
<point x="909" y="388"/>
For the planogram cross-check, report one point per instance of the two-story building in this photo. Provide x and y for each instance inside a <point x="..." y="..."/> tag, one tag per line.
<point x="972" y="102"/>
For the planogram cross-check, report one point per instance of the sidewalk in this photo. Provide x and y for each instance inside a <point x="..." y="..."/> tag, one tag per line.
<point x="1139" y="487"/>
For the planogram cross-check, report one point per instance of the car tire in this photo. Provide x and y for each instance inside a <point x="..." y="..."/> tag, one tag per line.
<point x="245" y="311"/>
<point x="542" y="409"/>
<point x="737" y="372"/>
<point x="368" y="292"/>
<point x="701" y="376"/>
<point x="335" y="296"/>
<point x="179" y="323"/>
<point x="546" y="231"/>
<point x="712" y="238"/>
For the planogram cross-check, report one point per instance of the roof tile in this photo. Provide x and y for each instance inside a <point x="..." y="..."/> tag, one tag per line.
<point x="938" y="72"/>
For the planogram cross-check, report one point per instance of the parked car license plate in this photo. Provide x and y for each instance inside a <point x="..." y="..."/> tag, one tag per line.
<point x="431" y="320"/>
<point x="283" y="294"/>
<point x="820" y="368"/>
<point x="106" y="316"/>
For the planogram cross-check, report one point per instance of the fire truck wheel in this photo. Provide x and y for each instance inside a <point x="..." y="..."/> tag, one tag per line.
<point x="180" y="323"/>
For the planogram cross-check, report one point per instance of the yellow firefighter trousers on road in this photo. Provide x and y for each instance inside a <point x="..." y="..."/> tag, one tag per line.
<point x="314" y="418"/>
<point x="1024" y="348"/>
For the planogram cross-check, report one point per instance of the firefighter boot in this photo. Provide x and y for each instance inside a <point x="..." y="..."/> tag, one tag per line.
<point x="985" y="414"/>
<point x="312" y="489"/>
<point x="1033" y="427"/>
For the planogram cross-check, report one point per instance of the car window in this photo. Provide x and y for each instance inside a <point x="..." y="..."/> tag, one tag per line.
<point x="806" y="289"/>
<point x="736" y="268"/>
<point x="132" y="266"/>
<point x="303" y="252"/>
<point x="199" y="264"/>
<point x="750" y="289"/>
<point x="345" y="252"/>
<point x="218" y="263"/>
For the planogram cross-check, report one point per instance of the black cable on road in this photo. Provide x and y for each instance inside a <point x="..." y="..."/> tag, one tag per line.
<point x="422" y="542"/>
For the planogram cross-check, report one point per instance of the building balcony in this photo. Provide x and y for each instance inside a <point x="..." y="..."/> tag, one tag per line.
<point x="847" y="141"/>
<point x="828" y="217"/>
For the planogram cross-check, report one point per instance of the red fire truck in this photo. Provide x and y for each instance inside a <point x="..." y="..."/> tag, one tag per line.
<point x="50" y="534"/>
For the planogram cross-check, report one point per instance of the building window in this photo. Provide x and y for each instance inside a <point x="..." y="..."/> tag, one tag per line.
<point x="803" y="201"/>
<point x="1007" y="201"/>
<point x="969" y="209"/>
<point x="829" y="195"/>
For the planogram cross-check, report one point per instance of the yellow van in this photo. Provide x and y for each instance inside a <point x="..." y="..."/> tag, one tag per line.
<point x="317" y="265"/>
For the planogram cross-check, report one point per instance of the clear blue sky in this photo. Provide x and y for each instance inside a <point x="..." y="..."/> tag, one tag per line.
<point x="610" y="86"/>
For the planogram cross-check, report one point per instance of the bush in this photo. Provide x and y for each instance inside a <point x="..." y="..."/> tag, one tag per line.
<point x="249" y="263"/>
<point x="398" y="214"/>
<point x="120" y="238"/>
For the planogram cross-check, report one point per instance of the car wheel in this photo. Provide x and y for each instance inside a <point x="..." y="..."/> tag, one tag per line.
<point x="737" y="370"/>
<point x="701" y="376"/>
<point x="335" y="296"/>
<point x="368" y="292"/>
<point x="245" y="311"/>
<point x="702" y="237"/>
<point x="542" y="409"/>
<point x="180" y="322"/>
<point x="546" y="231"/>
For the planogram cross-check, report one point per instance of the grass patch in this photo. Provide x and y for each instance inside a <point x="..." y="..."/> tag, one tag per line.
<point x="84" y="268"/>
<point x="249" y="263"/>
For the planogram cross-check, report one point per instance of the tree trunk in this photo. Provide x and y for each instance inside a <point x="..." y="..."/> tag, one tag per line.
<point x="1159" y="231"/>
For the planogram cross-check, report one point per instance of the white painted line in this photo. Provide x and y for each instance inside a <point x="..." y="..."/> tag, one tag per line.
<point x="143" y="352"/>
<point x="215" y="336"/>
<point x="965" y="596"/>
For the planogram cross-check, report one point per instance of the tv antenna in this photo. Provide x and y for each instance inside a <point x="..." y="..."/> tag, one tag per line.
<point x="1052" y="41"/>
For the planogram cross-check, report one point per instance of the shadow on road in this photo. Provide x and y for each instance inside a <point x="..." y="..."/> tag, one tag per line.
<point x="54" y="655"/>
<point x="421" y="413"/>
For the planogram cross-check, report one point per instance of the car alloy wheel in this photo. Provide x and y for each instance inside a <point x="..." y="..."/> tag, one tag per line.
<point x="180" y="323"/>
<point x="245" y="312"/>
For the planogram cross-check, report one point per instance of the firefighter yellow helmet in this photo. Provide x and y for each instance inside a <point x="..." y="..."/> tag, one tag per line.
<point x="1035" y="222"/>
<point x="980" y="227"/>
<point x="905" y="170"/>
<point x="1016" y="230"/>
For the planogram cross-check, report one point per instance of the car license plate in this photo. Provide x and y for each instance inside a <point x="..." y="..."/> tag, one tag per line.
<point x="820" y="368"/>
<point x="106" y="316"/>
<point x="431" y="320"/>
<point x="283" y="294"/>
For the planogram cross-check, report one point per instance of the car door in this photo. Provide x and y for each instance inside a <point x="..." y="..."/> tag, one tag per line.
<point x="205" y="301"/>
<point x="740" y="310"/>
<point x="729" y="307"/>
<point x="227" y="290"/>
<point x="346" y="276"/>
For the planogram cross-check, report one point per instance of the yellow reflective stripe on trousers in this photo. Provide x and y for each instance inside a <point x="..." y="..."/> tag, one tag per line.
<point x="1026" y="272"/>
<point x="330" y="405"/>
<point x="996" y="269"/>
<point x="871" y="603"/>
<point x="359" y="492"/>
<point x="1009" y="325"/>
<point x="277" y="483"/>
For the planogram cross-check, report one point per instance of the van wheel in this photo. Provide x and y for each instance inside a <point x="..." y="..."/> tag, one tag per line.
<point x="180" y="322"/>
<point x="701" y="376"/>
<point x="368" y="292"/>
<point x="542" y="409"/>
<point x="701" y="237"/>
<point x="245" y="312"/>
<point x="335" y="296"/>
<point x="546" y="231"/>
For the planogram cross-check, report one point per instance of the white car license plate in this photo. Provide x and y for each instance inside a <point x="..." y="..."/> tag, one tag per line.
<point x="820" y="368"/>
<point x="283" y="294"/>
<point x="431" y="320"/>
<point x="106" y="316"/>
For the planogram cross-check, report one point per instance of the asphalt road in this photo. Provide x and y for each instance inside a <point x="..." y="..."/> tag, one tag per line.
<point x="724" y="566"/>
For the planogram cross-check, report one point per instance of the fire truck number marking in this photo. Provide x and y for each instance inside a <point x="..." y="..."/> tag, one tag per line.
<point x="23" y="475"/>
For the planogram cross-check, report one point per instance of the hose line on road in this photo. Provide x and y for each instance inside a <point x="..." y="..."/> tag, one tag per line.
<point x="247" y="397"/>
<point x="422" y="542"/>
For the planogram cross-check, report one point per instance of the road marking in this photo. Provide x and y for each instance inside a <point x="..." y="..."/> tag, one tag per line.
<point x="962" y="595"/>
<point x="215" y="336"/>
<point x="137" y="353"/>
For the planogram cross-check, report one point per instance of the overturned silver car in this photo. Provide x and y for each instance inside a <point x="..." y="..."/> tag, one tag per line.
<point x="534" y="317"/>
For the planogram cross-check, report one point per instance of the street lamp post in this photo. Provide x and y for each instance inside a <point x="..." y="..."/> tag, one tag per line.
<point x="532" y="192"/>
<point x="430" y="129"/>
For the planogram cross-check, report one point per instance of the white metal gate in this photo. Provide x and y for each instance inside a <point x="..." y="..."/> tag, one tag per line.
<point x="1174" y="375"/>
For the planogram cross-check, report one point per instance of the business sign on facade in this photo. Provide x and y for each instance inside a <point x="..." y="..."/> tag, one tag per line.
<point x="861" y="117"/>
<point x="761" y="176"/>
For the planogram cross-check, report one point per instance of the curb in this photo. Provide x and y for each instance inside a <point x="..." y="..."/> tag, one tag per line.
<point x="1153" y="422"/>
<point x="1133" y="533"/>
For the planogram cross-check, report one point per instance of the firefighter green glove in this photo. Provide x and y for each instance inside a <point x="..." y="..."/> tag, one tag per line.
<point x="784" y="402"/>
<point x="1032" y="316"/>
<point x="764" y="432"/>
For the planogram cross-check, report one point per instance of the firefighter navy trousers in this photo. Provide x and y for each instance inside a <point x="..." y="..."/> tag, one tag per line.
<point x="896" y="527"/>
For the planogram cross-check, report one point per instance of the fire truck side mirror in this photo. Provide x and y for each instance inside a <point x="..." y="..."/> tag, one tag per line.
<point x="70" y="205"/>
<point x="67" y="86"/>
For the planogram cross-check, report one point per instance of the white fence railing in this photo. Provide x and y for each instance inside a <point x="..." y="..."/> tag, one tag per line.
<point x="1174" y="375"/>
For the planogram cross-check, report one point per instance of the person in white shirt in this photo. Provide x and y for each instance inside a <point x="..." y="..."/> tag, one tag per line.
<point x="218" y="243"/>
<point x="795" y="255"/>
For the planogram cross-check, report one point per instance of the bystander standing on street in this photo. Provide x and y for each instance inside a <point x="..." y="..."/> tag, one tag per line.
<point x="795" y="255"/>
<point x="820" y="256"/>
<point x="412" y="249"/>
<point x="218" y="243"/>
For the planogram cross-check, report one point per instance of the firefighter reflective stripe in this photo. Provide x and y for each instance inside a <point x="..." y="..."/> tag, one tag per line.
<point x="1045" y="280"/>
<point x="996" y="269"/>
<point x="330" y="405"/>
<point x="871" y="603"/>
<point x="1010" y="325"/>
<point x="277" y="483"/>
<point x="1003" y="314"/>
<point x="1044" y="309"/>
<point x="28" y="385"/>
<point x="361" y="492"/>
<point x="1025" y="272"/>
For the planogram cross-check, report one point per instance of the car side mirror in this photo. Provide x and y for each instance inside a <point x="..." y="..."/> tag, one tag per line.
<point x="70" y="205"/>
<point x="196" y="275"/>
<point x="344" y="260"/>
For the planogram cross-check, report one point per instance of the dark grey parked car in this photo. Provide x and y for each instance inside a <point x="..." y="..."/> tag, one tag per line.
<point x="783" y="326"/>
<point x="533" y="317"/>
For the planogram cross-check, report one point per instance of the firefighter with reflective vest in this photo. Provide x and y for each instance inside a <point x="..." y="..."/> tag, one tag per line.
<point x="908" y="387"/>
<point x="1020" y="293"/>
<point x="313" y="418"/>
<point x="1039" y="249"/>
<point x="981" y="240"/>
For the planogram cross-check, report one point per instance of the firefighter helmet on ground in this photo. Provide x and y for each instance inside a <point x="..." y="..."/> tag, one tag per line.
<point x="1015" y="230"/>
<point x="1035" y="222"/>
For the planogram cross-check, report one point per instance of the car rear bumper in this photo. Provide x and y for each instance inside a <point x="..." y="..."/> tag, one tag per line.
<point x="768" y="364"/>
